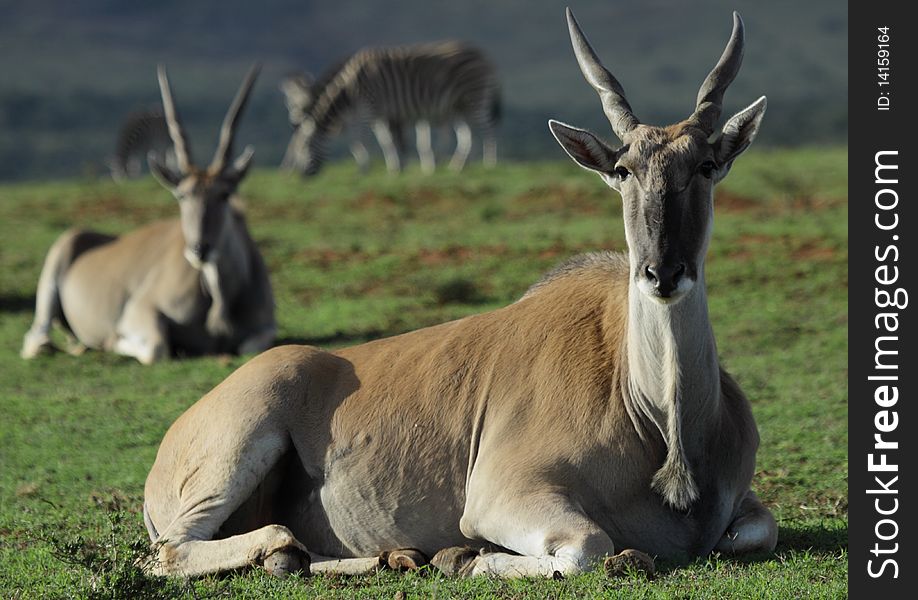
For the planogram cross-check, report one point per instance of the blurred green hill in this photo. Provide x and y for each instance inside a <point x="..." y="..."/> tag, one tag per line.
<point x="70" y="71"/>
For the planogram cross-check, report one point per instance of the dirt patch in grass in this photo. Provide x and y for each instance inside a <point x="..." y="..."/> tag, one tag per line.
<point x="411" y="198"/>
<point x="373" y="200"/>
<point x="734" y="203"/>
<point x="814" y="203"/>
<point x="751" y="246"/>
<point x="428" y="257"/>
<point x="748" y="247"/>
<point x="731" y="203"/>
<point x="448" y="255"/>
<point x="326" y="258"/>
<point x="559" y="251"/>
<point x="557" y="198"/>
<point x="456" y="254"/>
<point x="87" y="210"/>
<point x="426" y="196"/>
<point x="814" y="252"/>
<point x="452" y="255"/>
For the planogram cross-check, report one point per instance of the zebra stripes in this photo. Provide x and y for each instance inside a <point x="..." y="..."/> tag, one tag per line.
<point x="142" y="132"/>
<point x="386" y="89"/>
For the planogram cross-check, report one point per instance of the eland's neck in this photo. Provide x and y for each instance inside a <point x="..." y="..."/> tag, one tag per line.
<point x="671" y="350"/>
<point x="227" y="275"/>
<point x="673" y="379"/>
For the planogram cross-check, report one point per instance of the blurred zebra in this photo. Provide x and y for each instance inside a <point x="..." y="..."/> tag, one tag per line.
<point x="142" y="132"/>
<point x="299" y="92"/>
<point x="385" y="89"/>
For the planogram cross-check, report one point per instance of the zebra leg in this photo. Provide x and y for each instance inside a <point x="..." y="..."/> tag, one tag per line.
<point x="489" y="149"/>
<point x="398" y="136"/>
<point x="134" y="167"/>
<point x="386" y="142"/>
<point x="463" y="145"/>
<point x="292" y="157"/>
<point x="361" y="156"/>
<point x="425" y="147"/>
<point x="116" y="169"/>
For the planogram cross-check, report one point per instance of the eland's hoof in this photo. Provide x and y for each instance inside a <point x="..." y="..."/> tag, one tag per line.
<point x="286" y="561"/>
<point x="404" y="559"/>
<point x="76" y="349"/>
<point x="36" y="344"/>
<point x="456" y="560"/>
<point x="629" y="561"/>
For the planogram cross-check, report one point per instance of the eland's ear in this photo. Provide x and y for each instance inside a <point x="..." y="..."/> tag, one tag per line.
<point x="237" y="171"/>
<point x="168" y="177"/>
<point x="586" y="149"/>
<point x="737" y="135"/>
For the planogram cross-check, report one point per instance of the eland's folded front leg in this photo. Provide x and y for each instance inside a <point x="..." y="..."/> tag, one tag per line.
<point x="262" y="547"/>
<point x="141" y="332"/>
<point x="548" y="532"/>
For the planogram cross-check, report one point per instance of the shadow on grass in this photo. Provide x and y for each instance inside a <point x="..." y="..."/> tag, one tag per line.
<point x="12" y="303"/>
<point x="827" y="537"/>
<point x="339" y="338"/>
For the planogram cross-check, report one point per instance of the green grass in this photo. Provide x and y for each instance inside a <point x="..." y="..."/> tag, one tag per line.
<point x="354" y="259"/>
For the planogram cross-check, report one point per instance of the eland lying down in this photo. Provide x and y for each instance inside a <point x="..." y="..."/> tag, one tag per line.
<point x="195" y="284"/>
<point x="588" y="417"/>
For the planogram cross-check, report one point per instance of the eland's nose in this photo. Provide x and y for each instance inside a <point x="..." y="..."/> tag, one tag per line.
<point x="201" y="251"/>
<point x="665" y="278"/>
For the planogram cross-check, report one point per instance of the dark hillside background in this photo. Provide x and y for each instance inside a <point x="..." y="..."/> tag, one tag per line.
<point x="70" y="71"/>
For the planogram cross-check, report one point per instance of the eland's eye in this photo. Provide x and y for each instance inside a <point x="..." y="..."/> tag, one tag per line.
<point x="622" y="173"/>
<point x="707" y="168"/>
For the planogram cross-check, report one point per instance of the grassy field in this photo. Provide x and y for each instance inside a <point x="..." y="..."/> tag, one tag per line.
<point x="355" y="259"/>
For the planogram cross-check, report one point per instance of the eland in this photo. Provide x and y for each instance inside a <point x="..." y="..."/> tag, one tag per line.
<point x="191" y="285"/>
<point x="589" y="418"/>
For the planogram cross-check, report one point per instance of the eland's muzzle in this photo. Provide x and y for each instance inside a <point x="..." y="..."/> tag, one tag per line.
<point x="201" y="251"/>
<point x="664" y="278"/>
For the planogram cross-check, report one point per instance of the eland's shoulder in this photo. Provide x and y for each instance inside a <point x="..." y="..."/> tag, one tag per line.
<point x="607" y="266"/>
